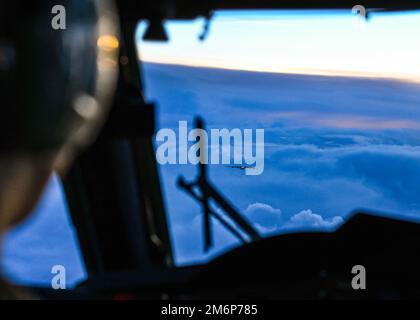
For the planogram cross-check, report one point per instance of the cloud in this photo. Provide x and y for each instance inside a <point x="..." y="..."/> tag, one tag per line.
<point x="306" y="219"/>
<point x="322" y="119"/>
<point x="332" y="145"/>
<point x="270" y="220"/>
<point x="264" y="216"/>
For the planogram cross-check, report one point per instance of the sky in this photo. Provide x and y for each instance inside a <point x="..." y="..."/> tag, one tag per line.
<point x="333" y="144"/>
<point x="319" y="42"/>
<point x="45" y="239"/>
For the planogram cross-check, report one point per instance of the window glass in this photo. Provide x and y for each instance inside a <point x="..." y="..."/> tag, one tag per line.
<point x="338" y="99"/>
<point x="44" y="240"/>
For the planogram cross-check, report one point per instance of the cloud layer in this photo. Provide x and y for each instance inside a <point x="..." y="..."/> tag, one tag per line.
<point x="333" y="145"/>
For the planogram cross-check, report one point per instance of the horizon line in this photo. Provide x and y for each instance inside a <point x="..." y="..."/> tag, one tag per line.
<point x="293" y="71"/>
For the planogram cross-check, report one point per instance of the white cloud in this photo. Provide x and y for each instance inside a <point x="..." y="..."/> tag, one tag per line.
<point x="264" y="216"/>
<point x="310" y="220"/>
<point x="270" y="220"/>
<point x="261" y="206"/>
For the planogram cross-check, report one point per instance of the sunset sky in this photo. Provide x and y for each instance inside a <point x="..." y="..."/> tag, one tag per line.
<point x="336" y="43"/>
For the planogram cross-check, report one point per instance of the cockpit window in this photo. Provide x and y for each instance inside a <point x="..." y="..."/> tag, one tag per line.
<point x="337" y="98"/>
<point x="44" y="245"/>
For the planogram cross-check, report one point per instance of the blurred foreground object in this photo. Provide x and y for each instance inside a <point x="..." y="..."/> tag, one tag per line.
<point x="55" y="85"/>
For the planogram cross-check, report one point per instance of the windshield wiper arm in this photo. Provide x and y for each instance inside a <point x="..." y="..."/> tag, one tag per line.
<point x="208" y="192"/>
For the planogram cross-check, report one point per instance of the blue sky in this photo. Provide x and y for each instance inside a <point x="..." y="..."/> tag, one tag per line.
<point x="45" y="239"/>
<point x="333" y="144"/>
